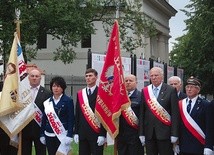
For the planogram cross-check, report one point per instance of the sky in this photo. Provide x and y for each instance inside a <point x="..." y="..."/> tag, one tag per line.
<point x="176" y="23"/>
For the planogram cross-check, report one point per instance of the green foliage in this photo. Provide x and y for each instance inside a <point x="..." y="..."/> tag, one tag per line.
<point x="134" y="25"/>
<point x="70" y="21"/>
<point x="194" y="51"/>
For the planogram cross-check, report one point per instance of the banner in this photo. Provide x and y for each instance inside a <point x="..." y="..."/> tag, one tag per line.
<point x="143" y="67"/>
<point x="112" y="96"/>
<point x="14" y="122"/>
<point x="98" y="61"/>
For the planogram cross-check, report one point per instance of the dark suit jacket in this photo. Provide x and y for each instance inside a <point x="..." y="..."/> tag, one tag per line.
<point x="126" y="132"/>
<point x="187" y="142"/>
<point x="32" y="129"/>
<point x="65" y="112"/>
<point x="149" y="124"/>
<point x="82" y="128"/>
<point x="182" y="96"/>
<point x="210" y="125"/>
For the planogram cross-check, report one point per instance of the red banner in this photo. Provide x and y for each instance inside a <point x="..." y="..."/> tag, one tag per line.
<point x="112" y="96"/>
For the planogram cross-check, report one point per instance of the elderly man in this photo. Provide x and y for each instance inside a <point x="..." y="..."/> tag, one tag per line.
<point x="195" y="133"/>
<point x="159" y="120"/>
<point x="175" y="82"/>
<point x="128" y="140"/>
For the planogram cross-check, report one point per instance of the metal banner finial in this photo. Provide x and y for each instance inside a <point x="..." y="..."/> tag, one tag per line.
<point x="18" y="13"/>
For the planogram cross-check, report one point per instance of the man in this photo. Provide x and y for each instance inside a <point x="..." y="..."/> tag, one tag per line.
<point x="159" y="120"/>
<point x="175" y="82"/>
<point x="89" y="132"/>
<point x="194" y="136"/>
<point x="128" y="142"/>
<point x="31" y="133"/>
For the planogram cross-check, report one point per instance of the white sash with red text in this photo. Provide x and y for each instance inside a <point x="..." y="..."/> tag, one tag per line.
<point x="130" y="117"/>
<point x="87" y="111"/>
<point x="155" y="106"/>
<point x="57" y="126"/>
<point x="190" y="124"/>
<point x="38" y="115"/>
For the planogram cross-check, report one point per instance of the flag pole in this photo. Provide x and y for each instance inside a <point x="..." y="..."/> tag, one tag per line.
<point x="117" y="16"/>
<point x="18" y="22"/>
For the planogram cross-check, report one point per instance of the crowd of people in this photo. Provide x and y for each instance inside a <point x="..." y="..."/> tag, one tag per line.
<point x="166" y="121"/>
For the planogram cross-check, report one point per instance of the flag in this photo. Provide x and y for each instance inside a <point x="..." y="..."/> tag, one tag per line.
<point x="112" y="96"/>
<point x="16" y="91"/>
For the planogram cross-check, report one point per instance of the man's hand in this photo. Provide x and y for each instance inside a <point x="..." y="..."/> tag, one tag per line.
<point x="173" y="139"/>
<point x="76" y="138"/>
<point x="208" y="151"/>
<point x="100" y="140"/>
<point x="42" y="140"/>
<point x="142" y="140"/>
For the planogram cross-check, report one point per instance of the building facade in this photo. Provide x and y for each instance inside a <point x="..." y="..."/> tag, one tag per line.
<point x="157" y="47"/>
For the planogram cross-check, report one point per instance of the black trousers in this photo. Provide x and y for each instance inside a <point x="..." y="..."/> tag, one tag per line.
<point x="5" y="147"/>
<point x="27" y="146"/>
<point x="52" y="144"/>
<point x="130" y="147"/>
<point x="87" y="147"/>
<point x="159" y="147"/>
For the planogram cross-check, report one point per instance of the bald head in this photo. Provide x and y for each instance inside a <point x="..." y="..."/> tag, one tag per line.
<point x="34" y="77"/>
<point x="175" y="81"/>
<point x="130" y="82"/>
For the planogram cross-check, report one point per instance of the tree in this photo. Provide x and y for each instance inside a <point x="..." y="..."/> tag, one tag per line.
<point x="194" y="51"/>
<point x="70" y="21"/>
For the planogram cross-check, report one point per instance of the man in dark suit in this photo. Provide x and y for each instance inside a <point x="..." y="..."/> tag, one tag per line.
<point x="128" y="142"/>
<point x="195" y="133"/>
<point x="31" y="133"/>
<point x="176" y="82"/>
<point x="159" y="120"/>
<point x="89" y="132"/>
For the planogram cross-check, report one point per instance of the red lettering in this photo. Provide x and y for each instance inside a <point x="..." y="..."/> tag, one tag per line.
<point x="54" y="124"/>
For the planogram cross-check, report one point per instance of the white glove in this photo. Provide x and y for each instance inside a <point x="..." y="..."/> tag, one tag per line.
<point x="42" y="140"/>
<point x="142" y="140"/>
<point x="176" y="148"/>
<point x="208" y="151"/>
<point x="76" y="138"/>
<point x="68" y="140"/>
<point x="100" y="140"/>
<point x="173" y="139"/>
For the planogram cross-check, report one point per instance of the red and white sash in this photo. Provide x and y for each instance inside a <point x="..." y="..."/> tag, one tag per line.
<point x="87" y="111"/>
<point x="155" y="106"/>
<point x="38" y="115"/>
<point x="190" y="124"/>
<point x="57" y="126"/>
<point x="130" y="117"/>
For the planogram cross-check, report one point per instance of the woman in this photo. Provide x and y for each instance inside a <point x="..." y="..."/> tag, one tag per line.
<point x="58" y="119"/>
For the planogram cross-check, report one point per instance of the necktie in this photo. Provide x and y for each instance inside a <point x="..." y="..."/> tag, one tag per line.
<point x="89" y="91"/>
<point x="189" y="106"/>
<point x="155" y="91"/>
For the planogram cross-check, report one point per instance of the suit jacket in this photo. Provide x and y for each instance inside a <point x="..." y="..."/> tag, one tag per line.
<point x="82" y="128"/>
<point x="65" y="112"/>
<point x="33" y="129"/>
<point x="187" y="142"/>
<point x="210" y="125"/>
<point x="126" y="132"/>
<point x="182" y="96"/>
<point x="149" y="124"/>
